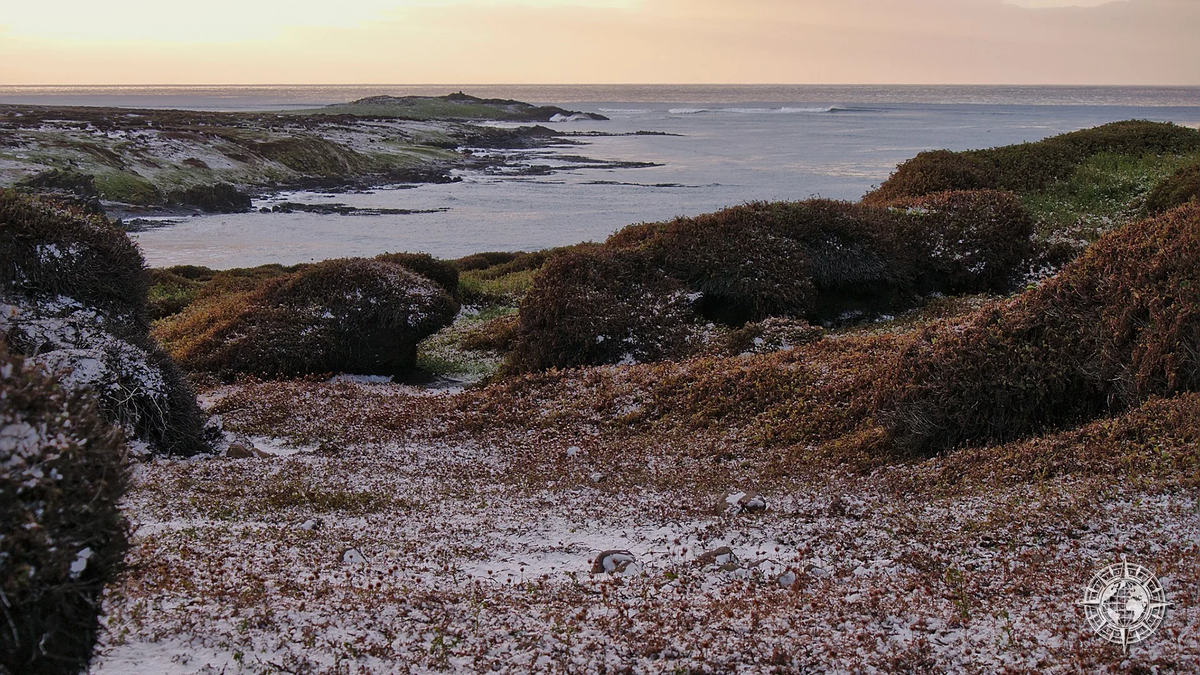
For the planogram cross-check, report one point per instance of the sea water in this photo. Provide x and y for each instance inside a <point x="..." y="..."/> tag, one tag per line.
<point x="720" y="146"/>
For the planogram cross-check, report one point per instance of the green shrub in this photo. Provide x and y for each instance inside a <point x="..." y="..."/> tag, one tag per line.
<point x="440" y="272"/>
<point x="1030" y="166"/>
<point x="129" y="188"/>
<point x="169" y="293"/>
<point x="81" y="184"/>
<point x="350" y="315"/>
<point x="600" y="306"/>
<point x="62" y="535"/>
<point x="1178" y="189"/>
<point x="1116" y="326"/>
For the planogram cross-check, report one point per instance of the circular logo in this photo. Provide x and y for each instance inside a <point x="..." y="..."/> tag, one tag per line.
<point x="1124" y="603"/>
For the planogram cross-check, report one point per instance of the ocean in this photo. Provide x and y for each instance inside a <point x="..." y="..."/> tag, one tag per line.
<point x="726" y="145"/>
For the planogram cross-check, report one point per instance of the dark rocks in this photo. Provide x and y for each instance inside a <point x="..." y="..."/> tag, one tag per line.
<point x="217" y="198"/>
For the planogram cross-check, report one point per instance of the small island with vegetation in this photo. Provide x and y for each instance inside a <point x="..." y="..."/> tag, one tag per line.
<point x="701" y="445"/>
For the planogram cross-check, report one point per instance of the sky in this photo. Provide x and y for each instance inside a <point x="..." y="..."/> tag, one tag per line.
<point x="1131" y="42"/>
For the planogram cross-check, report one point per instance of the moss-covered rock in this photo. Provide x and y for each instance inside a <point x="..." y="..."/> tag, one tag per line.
<point x="215" y="198"/>
<point x="1116" y="326"/>
<point x="349" y="315"/>
<point x="62" y="535"/>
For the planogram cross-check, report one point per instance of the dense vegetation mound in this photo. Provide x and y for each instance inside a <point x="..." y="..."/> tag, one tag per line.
<point x="1030" y="166"/>
<point x="822" y="261"/>
<point x="1179" y="188"/>
<point x="51" y="251"/>
<point x="967" y="241"/>
<point x="74" y="300"/>
<point x="440" y="272"/>
<point x="215" y="198"/>
<point x="350" y="315"/>
<point x="601" y="306"/>
<point x="1116" y="326"/>
<point x="62" y="535"/>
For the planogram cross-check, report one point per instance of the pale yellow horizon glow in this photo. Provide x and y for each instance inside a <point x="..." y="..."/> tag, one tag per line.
<point x="1147" y="42"/>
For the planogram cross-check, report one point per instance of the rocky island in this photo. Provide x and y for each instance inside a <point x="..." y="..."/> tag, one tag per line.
<point x="214" y="161"/>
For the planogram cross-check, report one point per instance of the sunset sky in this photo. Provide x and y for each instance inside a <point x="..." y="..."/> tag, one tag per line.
<point x="1151" y="42"/>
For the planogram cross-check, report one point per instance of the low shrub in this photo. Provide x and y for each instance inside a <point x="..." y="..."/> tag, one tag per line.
<point x="1118" y="325"/>
<point x="601" y="306"/>
<point x="823" y="261"/>
<point x="1029" y="166"/>
<point x="971" y="242"/>
<point x="69" y="180"/>
<point x="216" y="198"/>
<point x="495" y="335"/>
<point x="62" y="535"/>
<point x="48" y="250"/>
<point x="482" y="261"/>
<point x="738" y="259"/>
<point x="771" y="335"/>
<point x="440" y="272"/>
<point x="350" y="315"/>
<point x="933" y="171"/>
<point x="75" y="301"/>
<point x="1178" y="189"/>
<point x="169" y="293"/>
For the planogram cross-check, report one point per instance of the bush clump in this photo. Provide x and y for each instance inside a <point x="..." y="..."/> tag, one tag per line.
<point x="1116" y="326"/>
<point x="216" y="198"/>
<point x="74" y="301"/>
<point x="822" y="261"/>
<point x="68" y="180"/>
<point x="1178" y="189"/>
<point x="440" y="272"/>
<point x="598" y="306"/>
<point x="968" y="241"/>
<point x="48" y="250"/>
<point x="62" y="535"/>
<point x="1029" y="166"/>
<point x="350" y="315"/>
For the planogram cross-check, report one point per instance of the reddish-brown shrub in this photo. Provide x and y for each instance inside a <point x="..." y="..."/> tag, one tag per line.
<point x="353" y="315"/>
<point x="970" y="242"/>
<point x="1116" y="326"/>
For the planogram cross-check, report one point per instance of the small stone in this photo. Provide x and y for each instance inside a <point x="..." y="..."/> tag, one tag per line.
<point x="597" y="477"/>
<point x="352" y="556"/>
<point x="787" y="579"/>
<point x="573" y="451"/>
<point x="721" y="556"/>
<point x="734" y="503"/>
<point x="613" y="562"/>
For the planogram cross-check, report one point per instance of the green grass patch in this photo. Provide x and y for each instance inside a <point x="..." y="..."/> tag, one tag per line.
<point x="128" y="188"/>
<point x="1105" y="191"/>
